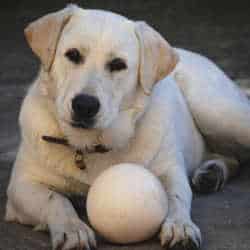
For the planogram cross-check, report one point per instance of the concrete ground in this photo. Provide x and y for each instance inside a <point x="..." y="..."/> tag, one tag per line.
<point x="221" y="33"/>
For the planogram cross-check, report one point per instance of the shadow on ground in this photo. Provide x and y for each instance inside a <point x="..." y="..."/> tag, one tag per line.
<point x="223" y="34"/>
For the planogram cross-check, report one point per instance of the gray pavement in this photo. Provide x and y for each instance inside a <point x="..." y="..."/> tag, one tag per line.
<point x="221" y="33"/>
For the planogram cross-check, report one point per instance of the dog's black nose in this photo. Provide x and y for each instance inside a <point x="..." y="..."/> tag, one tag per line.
<point x="85" y="107"/>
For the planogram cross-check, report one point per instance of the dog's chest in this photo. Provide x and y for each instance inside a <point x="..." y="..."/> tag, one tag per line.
<point x="96" y="163"/>
<point x="139" y="152"/>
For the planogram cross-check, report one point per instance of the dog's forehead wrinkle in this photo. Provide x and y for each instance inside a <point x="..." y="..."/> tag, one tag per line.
<point x="104" y="14"/>
<point x="98" y="28"/>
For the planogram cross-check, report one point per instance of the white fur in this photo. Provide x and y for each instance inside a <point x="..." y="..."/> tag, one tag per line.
<point x="157" y="131"/>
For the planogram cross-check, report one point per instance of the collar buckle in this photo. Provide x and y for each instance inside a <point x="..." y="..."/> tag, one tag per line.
<point x="79" y="159"/>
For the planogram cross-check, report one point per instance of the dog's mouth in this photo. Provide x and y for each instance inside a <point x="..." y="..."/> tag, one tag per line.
<point x="84" y="124"/>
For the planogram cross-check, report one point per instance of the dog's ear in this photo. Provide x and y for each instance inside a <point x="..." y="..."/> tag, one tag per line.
<point x="157" y="57"/>
<point x="43" y="34"/>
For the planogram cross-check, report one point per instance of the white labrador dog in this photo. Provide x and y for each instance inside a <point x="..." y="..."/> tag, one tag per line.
<point x="95" y="104"/>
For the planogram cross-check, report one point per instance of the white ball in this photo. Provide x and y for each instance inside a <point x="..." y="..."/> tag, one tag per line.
<point x="126" y="204"/>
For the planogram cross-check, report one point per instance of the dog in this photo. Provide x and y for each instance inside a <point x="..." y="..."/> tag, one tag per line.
<point x="111" y="90"/>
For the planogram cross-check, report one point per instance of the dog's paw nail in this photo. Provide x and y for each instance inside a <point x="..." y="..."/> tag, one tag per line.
<point x="73" y="235"/>
<point x="176" y="234"/>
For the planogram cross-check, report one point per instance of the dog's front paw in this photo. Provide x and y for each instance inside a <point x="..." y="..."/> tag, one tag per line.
<point x="179" y="234"/>
<point x="75" y="234"/>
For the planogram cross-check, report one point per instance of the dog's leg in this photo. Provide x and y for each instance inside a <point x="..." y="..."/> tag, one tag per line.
<point x="178" y="231"/>
<point x="213" y="173"/>
<point x="34" y="204"/>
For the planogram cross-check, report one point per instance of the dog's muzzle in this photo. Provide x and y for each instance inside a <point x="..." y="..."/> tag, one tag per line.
<point x="84" y="110"/>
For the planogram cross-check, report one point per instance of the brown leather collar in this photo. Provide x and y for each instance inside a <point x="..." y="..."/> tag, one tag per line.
<point x="79" y="154"/>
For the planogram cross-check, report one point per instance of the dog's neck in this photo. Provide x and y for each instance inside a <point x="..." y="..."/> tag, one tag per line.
<point x="97" y="148"/>
<point x="79" y="154"/>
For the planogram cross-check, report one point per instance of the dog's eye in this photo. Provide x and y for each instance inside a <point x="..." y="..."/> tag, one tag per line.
<point x="117" y="64"/>
<point x="74" y="56"/>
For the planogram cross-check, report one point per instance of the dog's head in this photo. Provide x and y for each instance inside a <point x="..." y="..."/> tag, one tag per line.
<point x="99" y="64"/>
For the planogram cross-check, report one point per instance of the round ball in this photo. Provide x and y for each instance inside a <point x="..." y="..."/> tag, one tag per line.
<point x="126" y="204"/>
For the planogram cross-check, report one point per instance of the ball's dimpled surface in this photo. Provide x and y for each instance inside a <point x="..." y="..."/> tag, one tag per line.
<point x="126" y="204"/>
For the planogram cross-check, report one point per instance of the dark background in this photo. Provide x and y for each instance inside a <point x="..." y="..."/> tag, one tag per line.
<point x="217" y="29"/>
